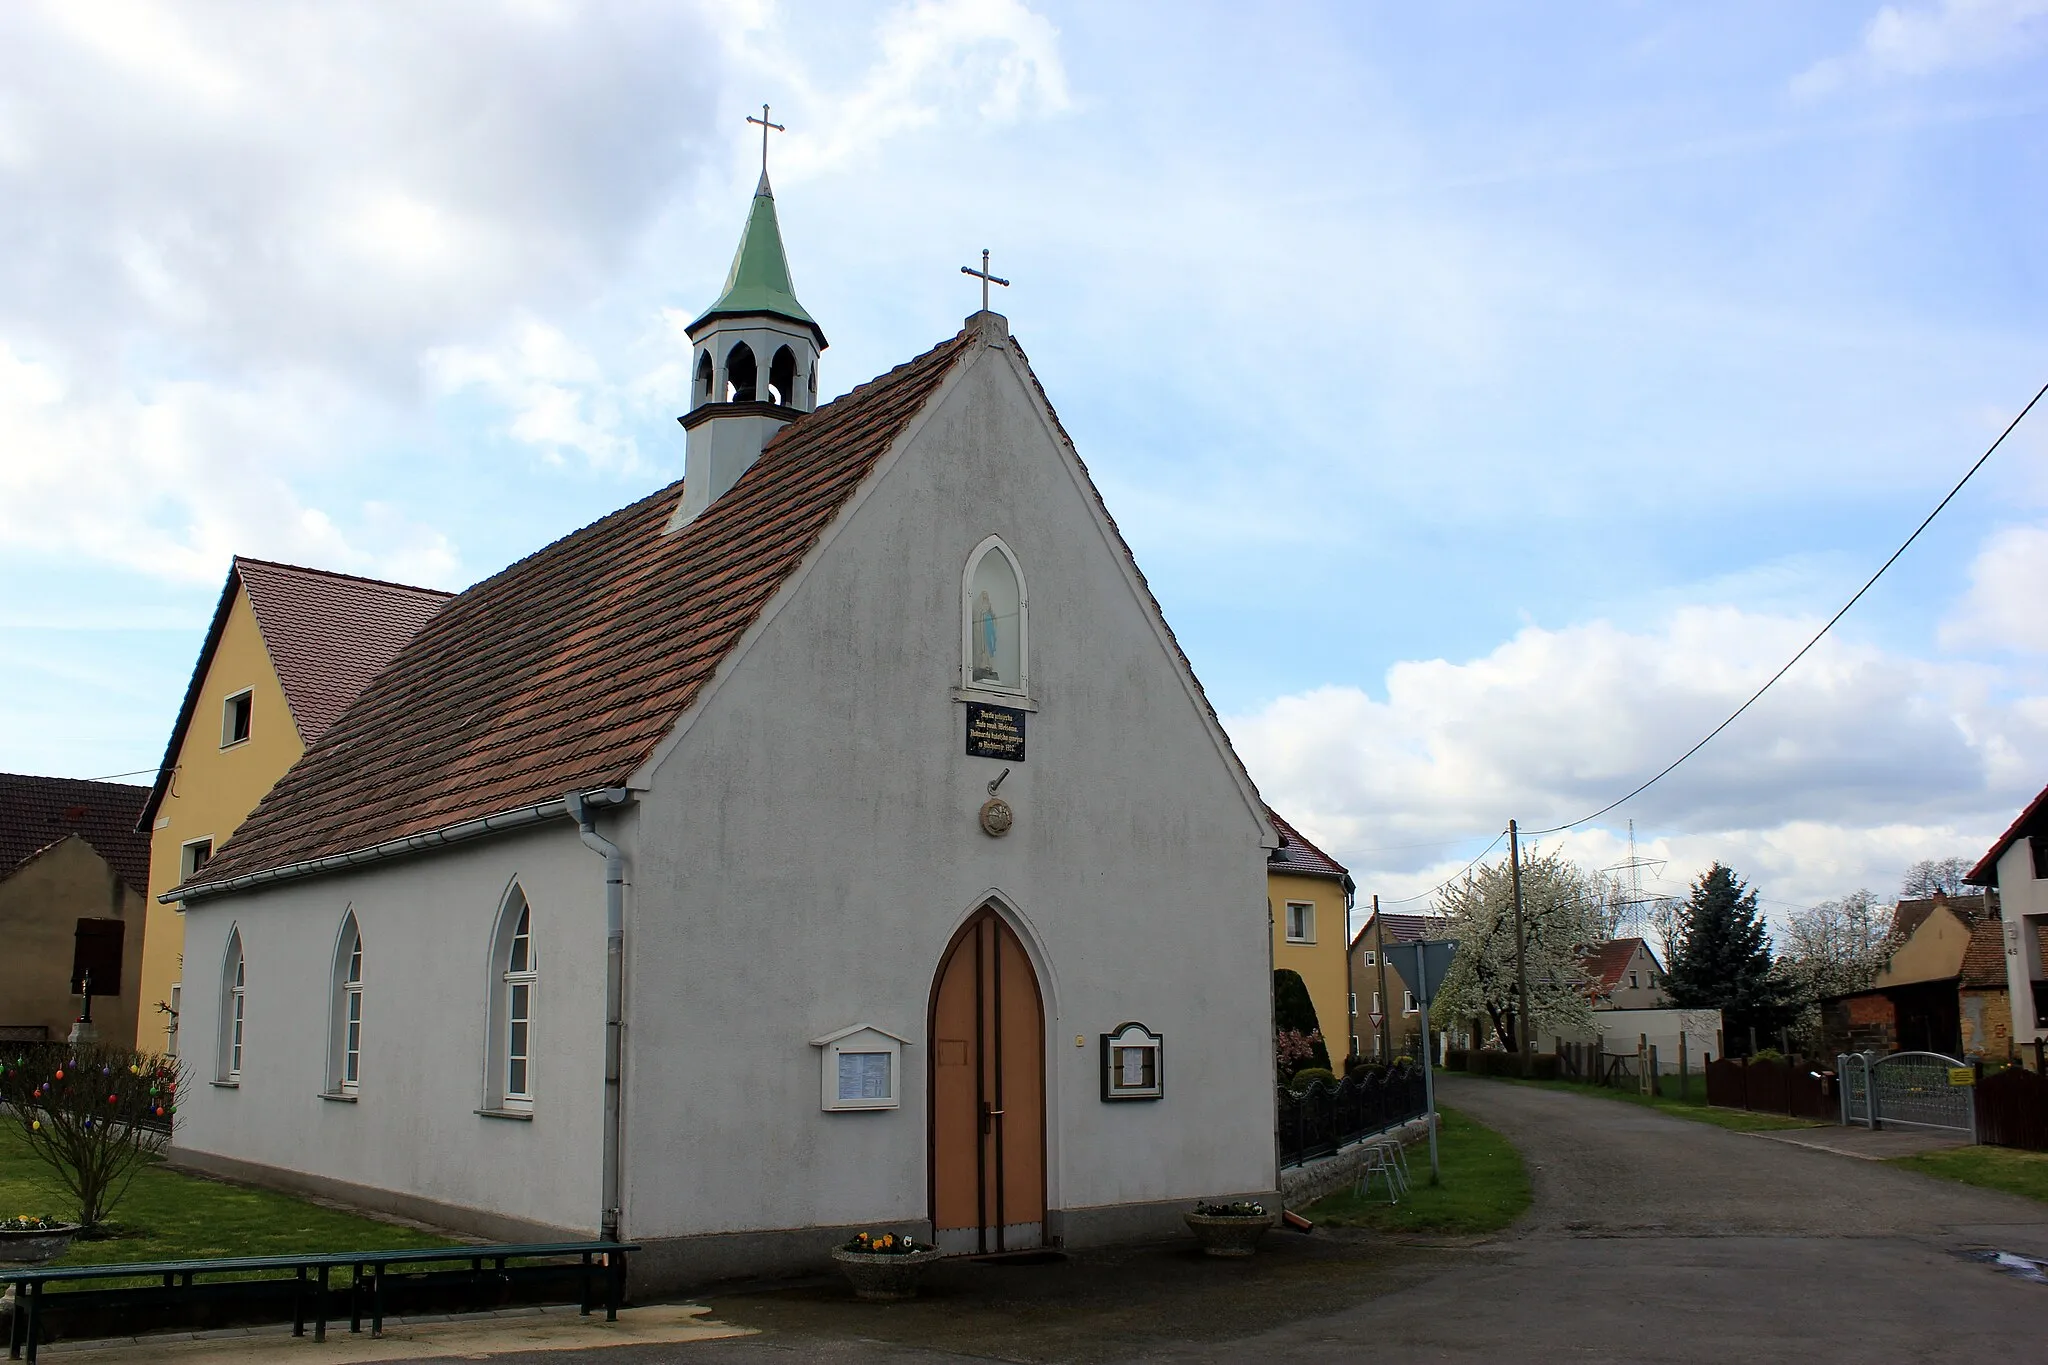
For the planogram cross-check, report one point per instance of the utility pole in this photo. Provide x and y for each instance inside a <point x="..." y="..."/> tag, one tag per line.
<point x="1379" y="957"/>
<point x="1521" y="945"/>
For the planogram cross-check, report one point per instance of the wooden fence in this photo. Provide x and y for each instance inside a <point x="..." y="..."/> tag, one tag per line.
<point x="1772" y="1087"/>
<point x="2012" y="1110"/>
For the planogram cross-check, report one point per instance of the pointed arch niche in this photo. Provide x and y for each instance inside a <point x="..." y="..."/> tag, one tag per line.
<point x="995" y="622"/>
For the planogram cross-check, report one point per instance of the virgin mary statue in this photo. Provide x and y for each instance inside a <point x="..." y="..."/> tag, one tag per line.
<point x="985" y="669"/>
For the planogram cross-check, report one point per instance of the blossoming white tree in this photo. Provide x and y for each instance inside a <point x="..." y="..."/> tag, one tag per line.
<point x="1561" y="916"/>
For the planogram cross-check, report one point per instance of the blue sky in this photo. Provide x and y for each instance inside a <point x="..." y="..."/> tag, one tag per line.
<point x="1493" y="394"/>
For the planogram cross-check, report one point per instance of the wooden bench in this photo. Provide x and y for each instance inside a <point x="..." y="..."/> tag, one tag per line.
<point x="308" y="1281"/>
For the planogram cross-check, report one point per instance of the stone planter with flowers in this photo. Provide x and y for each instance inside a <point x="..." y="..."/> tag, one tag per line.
<point x="1233" y="1229"/>
<point x="31" y="1239"/>
<point x="885" y="1266"/>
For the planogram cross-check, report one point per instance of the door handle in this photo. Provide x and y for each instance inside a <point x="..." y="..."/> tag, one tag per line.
<point x="988" y="1116"/>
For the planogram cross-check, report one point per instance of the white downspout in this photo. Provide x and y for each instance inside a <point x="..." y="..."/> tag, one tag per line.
<point x="579" y="807"/>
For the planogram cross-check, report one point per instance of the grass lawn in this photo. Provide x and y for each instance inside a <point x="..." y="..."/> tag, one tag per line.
<point x="1995" y="1168"/>
<point x="168" y="1216"/>
<point x="1484" y="1187"/>
<point x="1694" y="1106"/>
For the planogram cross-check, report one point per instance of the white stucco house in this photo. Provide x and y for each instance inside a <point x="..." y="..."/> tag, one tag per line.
<point x="836" y="839"/>
<point x="2017" y="866"/>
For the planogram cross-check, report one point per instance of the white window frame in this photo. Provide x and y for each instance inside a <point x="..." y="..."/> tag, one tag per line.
<point x="345" y="1031"/>
<point x="501" y="990"/>
<point x="1371" y="958"/>
<point x="188" y="867"/>
<point x="227" y="709"/>
<point x="519" y="980"/>
<point x="968" y="682"/>
<point x="1354" y="1004"/>
<point x="1407" y="1002"/>
<point x="1307" y="932"/>
<point x="1376" y="1005"/>
<point x="234" y="1006"/>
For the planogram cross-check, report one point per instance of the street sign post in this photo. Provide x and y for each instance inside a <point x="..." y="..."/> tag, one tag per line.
<point x="1424" y="964"/>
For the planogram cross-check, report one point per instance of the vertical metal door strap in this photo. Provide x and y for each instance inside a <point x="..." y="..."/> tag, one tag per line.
<point x="981" y="1120"/>
<point x="1002" y="1171"/>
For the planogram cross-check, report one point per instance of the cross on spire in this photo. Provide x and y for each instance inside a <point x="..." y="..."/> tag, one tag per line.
<point x="981" y="274"/>
<point x="765" y="126"/>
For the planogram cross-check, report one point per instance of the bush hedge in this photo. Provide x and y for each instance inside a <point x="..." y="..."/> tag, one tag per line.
<point x="1454" y="1058"/>
<point x="1302" y="1079"/>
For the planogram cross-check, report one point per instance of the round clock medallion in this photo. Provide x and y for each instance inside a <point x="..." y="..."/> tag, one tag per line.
<point x="996" y="817"/>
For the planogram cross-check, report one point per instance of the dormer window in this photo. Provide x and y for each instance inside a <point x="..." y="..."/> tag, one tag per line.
<point x="997" y="620"/>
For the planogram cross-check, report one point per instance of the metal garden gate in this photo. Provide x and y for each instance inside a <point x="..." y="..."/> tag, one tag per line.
<point x="1907" y="1090"/>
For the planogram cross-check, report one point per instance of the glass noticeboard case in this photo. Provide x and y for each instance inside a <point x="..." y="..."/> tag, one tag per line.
<point x="1131" y="1063"/>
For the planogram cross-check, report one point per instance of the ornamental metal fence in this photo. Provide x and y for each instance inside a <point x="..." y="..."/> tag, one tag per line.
<point x="1321" y="1117"/>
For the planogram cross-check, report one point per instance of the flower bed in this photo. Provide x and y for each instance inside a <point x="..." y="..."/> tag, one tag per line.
<point x="34" y="1237"/>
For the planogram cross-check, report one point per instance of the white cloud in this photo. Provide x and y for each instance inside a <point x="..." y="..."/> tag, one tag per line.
<point x="2002" y="608"/>
<point x="995" y="62"/>
<point x="1906" y="43"/>
<point x="1855" y="764"/>
<point x="557" y="396"/>
<point x="173" y="478"/>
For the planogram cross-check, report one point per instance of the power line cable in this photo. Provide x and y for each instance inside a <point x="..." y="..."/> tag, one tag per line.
<point x="1453" y="877"/>
<point x="1670" y="767"/>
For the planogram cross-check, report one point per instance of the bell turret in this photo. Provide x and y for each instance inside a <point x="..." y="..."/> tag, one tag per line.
<point x="755" y="368"/>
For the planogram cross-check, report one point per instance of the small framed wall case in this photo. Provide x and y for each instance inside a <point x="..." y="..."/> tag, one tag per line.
<point x="1132" y="1057"/>
<point x="863" y="1068"/>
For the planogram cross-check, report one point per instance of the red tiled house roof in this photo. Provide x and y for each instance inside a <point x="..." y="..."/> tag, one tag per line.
<point x="1606" y="963"/>
<point x="1297" y="855"/>
<point x="1984" y="960"/>
<point x="566" y="670"/>
<point x="327" y="634"/>
<point x="36" y="812"/>
<point x="2032" y="820"/>
<point x="1404" y="928"/>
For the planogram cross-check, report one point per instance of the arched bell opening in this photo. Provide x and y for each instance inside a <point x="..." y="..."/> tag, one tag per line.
<point x="702" y="391"/>
<point x="782" y="377"/>
<point x="740" y="374"/>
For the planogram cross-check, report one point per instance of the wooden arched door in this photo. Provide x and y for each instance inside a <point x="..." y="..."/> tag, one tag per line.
<point x="987" y="1093"/>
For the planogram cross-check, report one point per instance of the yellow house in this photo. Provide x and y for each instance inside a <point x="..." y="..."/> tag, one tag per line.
<point x="1308" y="899"/>
<point x="288" y="649"/>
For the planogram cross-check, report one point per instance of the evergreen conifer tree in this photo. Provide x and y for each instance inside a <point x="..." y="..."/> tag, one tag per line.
<point x="1722" y="959"/>
<point x="1294" y="1011"/>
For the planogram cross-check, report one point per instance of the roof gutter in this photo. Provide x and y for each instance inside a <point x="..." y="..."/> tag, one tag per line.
<point x="460" y="832"/>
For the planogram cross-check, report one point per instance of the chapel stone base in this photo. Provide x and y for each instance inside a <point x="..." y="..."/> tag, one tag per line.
<point x="670" y="1265"/>
<point x="456" y="1218"/>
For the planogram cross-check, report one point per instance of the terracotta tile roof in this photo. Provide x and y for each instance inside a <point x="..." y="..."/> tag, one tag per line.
<point x="327" y="634"/>
<point x="565" y="670"/>
<point x="1402" y="929"/>
<point x="1984" y="959"/>
<point x="1606" y="963"/>
<point x="1297" y="855"/>
<point x="1908" y="916"/>
<point x="36" y="812"/>
<point x="2032" y="820"/>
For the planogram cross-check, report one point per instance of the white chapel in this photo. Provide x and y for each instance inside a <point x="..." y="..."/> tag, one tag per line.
<point x="836" y="839"/>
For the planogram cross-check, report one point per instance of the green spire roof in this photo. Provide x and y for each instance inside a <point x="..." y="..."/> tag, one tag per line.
<point x="759" y="279"/>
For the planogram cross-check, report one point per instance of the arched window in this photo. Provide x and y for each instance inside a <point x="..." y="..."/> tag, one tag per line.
<point x="345" y="1048"/>
<point x="704" y="377"/>
<point x="782" y="377"/>
<point x="515" y="976"/>
<point x="740" y="374"/>
<point x="996" y="616"/>
<point x="234" y="985"/>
